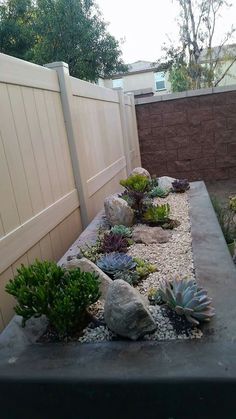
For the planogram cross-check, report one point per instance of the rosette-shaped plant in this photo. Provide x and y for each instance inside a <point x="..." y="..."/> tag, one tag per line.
<point x="187" y="299"/>
<point x="122" y="231"/>
<point x="157" y="214"/>
<point x="137" y="187"/>
<point x="113" y="243"/>
<point x="180" y="185"/>
<point x="158" y="192"/>
<point x="113" y="262"/>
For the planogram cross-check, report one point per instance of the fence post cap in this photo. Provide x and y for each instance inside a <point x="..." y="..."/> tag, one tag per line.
<point x="57" y="64"/>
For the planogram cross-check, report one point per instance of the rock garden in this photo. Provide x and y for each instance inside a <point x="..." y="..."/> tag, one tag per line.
<point x="131" y="277"/>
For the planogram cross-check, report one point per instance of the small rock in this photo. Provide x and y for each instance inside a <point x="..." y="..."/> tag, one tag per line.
<point x="140" y="171"/>
<point x="150" y="235"/>
<point x="118" y="211"/>
<point x="165" y="182"/>
<point x="125" y="312"/>
<point x="87" y="266"/>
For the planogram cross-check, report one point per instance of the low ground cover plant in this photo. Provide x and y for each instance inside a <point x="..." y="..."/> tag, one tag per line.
<point x="157" y="214"/>
<point x="63" y="296"/>
<point x="180" y="185"/>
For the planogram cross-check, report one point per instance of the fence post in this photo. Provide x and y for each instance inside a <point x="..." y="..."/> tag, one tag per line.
<point x="135" y="130"/>
<point x="62" y="70"/>
<point x="124" y="130"/>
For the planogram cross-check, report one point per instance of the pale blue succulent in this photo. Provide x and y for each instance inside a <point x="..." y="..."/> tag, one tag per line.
<point x="186" y="298"/>
<point x="115" y="261"/>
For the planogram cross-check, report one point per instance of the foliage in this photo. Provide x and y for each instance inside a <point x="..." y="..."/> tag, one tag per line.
<point x="113" y="262"/>
<point x="180" y="185"/>
<point x="154" y="296"/>
<point x="186" y="298"/>
<point x="158" y="192"/>
<point x="112" y="242"/>
<point x="157" y="214"/>
<point x="122" y="231"/>
<point x="72" y="31"/>
<point x="92" y="252"/>
<point x="132" y="277"/>
<point x="195" y="63"/>
<point x="232" y="203"/>
<point x="144" y="268"/>
<point x="46" y="289"/>
<point x="153" y="182"/>
<point x="137" y="187"/>
<point x="226" y="220"/>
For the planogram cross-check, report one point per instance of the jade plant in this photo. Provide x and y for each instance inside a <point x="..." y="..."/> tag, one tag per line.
<point x="112" y="262"/>
<point x="187" y="299"/>
<point x="180" y="185"/>
<point x="113" y="242"/>
<point x="157" y="214"/>
<point x="63" y="296"/>
<point x="122" y="231"/>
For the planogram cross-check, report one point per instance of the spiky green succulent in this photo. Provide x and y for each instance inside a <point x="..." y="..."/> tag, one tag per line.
<point x="132" y="277"/>
<point x="157" y="214"/>
<point x="122" y="231"/>
<point x="158" y="192"/>
<point x="187" y="299"/>
<point x="136" y="183"/>
<point x="113" y="262"/>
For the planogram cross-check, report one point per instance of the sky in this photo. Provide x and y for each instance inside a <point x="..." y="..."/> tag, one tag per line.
<point x="145" y="24"/>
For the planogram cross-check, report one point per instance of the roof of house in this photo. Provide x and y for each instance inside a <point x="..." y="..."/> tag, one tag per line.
<point x="218" y="53"/>
<point x="140" y="66"/>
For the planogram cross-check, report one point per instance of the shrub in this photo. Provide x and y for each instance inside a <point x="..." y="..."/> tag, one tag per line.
<point x="44" y="288"/>
<point x="187" y="299"/>
<point x="113" y="243"/>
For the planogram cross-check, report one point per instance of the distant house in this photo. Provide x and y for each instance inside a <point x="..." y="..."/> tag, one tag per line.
<point x="143" y="78"/>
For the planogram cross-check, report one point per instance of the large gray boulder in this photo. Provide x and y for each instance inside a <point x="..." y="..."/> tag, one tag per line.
<point x="86" y="265"/>
<point x="150" y="235"/>
<point x="140" y="171"/>
<point x="165" y="182"/>
<point x="126" y="313"/>
<point x="118" y="211"/>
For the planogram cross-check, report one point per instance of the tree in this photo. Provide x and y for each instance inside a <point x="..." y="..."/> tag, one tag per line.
<point x="196" y="60"/>
<point x="16" y="31"/>
<point x="72" y="31"/>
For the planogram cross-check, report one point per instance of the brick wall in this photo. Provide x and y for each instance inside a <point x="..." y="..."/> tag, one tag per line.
<point x="190" y="137"/>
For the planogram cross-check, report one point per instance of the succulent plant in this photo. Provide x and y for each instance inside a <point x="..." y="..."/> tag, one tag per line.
<point x="144" y="268"/>
<point x="170" y="224"/>
<point x="122" y="231"/>
<point x="153" y="182"/>
<point x="112" y="242"/>
<point x="136" y="183"/>
<point x="187" y="299"/>
<point x="158" y="192"/>
<point x="180" y="185"/>
<point x="113" y="262"/>
<point x="92" y="252"/>
<point x="154" y="296"/>
<point x="132" y="277"/>
<point x="157" y="214"/>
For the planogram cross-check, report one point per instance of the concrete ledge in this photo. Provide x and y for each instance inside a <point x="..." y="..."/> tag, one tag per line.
<point x="174" y="379"/>
<point x="187" y="93"/>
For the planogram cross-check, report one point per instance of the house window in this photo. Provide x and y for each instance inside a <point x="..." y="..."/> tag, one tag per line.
<point x="116" y="83"/>
<point x="160" y="80"/>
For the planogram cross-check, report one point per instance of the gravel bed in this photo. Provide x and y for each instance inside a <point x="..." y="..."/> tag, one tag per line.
<point x="173" y="259"/>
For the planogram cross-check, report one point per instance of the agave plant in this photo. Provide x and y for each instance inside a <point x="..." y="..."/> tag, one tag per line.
<point x="180" y="185"/>
<point x="158" y="192"/>
<point x="113" y="262"/>
<point x="112" y="242"/>
<point x="187" y="299"/>
<point x="122" y="231"/>
<point x="157" y="214"/>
